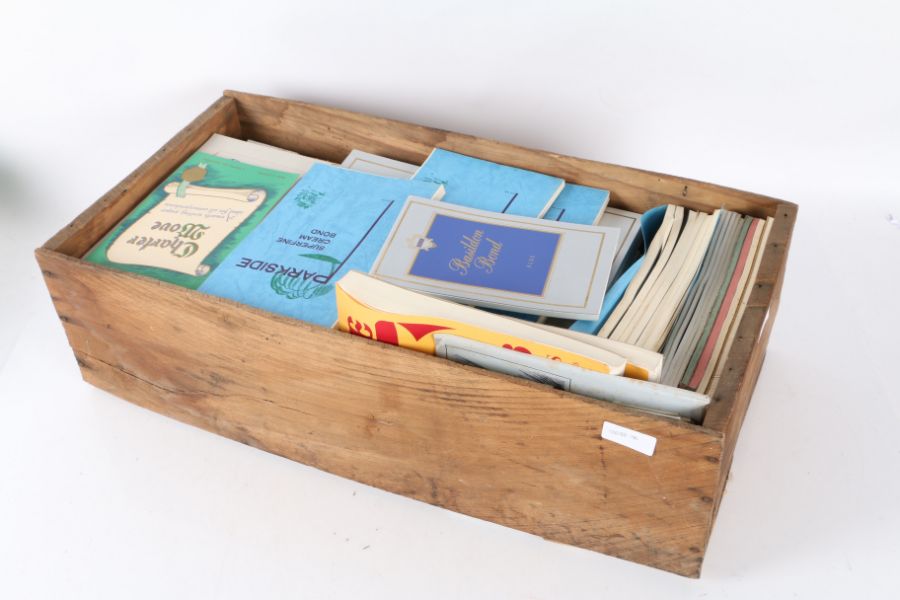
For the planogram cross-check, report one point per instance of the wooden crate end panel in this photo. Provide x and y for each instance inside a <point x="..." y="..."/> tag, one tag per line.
<point x="532" y="501"/>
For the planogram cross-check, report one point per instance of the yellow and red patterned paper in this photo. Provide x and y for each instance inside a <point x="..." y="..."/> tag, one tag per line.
<point x="417" y="332"/>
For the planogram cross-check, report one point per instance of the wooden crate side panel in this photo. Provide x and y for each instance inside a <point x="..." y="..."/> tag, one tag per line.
<point x="745" y="358"/>
<point x="331" y="133"/>
<point x="479" y="443"/>
<point x="82" y="233"/>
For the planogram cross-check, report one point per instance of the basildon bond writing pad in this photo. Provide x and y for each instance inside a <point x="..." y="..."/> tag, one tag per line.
<point x="495" y="260"/>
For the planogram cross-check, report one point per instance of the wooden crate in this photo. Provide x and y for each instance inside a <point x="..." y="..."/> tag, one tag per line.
<point x="484" y="444"/>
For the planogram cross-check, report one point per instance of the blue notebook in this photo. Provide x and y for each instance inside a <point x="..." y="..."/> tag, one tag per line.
<point x="333" y="220"/>
<point x="579" y="204"/>
<point x="490" y="186"/>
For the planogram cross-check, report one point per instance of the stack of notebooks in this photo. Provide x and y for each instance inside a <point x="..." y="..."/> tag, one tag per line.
<point x="477" y="262"/>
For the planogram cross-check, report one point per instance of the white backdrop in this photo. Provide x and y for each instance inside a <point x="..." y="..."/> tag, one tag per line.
<point x="797" y="100"/>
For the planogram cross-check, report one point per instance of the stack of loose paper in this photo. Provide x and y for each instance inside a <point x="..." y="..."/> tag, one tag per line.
<point x="706" y="324"/>
<point x="654" y="295"/>
<point x="259" y="154"/>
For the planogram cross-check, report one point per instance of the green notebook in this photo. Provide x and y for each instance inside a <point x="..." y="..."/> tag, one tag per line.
<point x="187" y="226"/>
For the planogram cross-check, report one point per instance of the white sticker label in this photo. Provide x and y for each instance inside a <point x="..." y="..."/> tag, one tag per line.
<point x="643" y="443"/>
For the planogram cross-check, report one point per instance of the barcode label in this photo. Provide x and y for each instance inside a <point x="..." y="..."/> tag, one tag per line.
<point x="643" y="443"/>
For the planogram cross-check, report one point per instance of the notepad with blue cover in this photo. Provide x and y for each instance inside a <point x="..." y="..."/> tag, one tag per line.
<point x="332" y="221"/>
<point x="579" y="204"/>
<point x="486" y="185"/>
<point x="484" y="258"/>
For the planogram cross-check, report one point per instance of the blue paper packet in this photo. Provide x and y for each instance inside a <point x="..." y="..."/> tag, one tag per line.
<point x="482" y="184"/>
<point x="333" y="220"/>
<point x="579" y="204"/>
